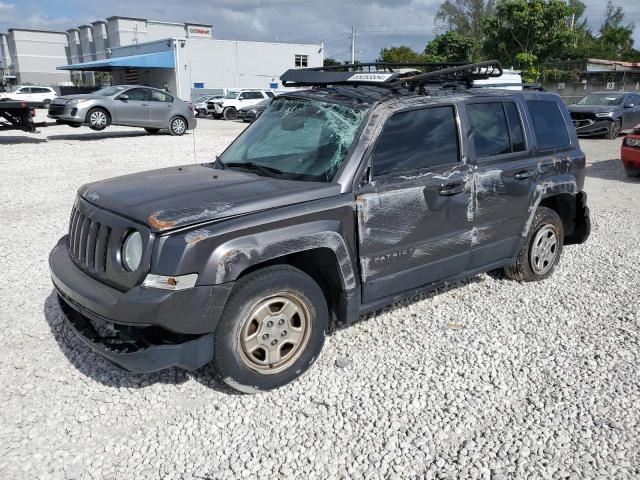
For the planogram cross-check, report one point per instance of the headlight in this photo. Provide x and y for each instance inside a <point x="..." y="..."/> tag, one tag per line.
<point x="604" y="114"/>
<point x="632" y="142"/>
<point x="132" y="251"/>
<point x="179" y="282"/>
<point x="76" y="101"/>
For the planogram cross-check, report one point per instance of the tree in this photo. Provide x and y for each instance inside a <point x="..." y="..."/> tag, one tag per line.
<point x="451" y="47"/>
<point x="616" y="40"/>
<point x="531" y="27"/>
<point x="328" y="62"/>
<point x="401" y="54"/>
<point x="467" y="17"/>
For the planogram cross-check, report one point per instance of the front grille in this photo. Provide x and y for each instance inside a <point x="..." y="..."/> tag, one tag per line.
<point x="582" y="123"/>
<point x="88" y="242"/>
<point x="56" y="109"/>
<point x="582" y="116"/>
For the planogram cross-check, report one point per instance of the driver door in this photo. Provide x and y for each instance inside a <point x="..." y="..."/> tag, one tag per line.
<point x="133" y="109"/>
<point x="413" y="226"/>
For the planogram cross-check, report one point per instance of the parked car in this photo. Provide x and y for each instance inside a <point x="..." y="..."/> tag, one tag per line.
<point x="605" y="113"/>
<point x="340" y="200"/>
<point x="228" y="106"/>
<point x="201" y="104"/>
<point x="630" y="152"/>
<point x="130" y="105"/>
<point x="31" y="93"/>
<point x="251" y="113"/>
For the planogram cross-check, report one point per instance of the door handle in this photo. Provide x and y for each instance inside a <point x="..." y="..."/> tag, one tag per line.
<point x="145" y="104"/>
<point x="451" y="188"/>
<point x="524" y="174"/>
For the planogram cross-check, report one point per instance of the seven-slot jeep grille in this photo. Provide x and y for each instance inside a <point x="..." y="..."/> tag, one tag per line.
<point x="88" y="241"/>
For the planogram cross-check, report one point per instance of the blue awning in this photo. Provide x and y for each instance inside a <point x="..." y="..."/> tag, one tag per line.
<point x="146" y="60"/>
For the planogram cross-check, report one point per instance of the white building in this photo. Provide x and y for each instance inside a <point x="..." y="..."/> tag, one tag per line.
<point x="181" y="57"/>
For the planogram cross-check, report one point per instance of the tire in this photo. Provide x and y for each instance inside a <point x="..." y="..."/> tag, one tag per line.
<point x="202" y="113"/>
<point x="152" y="131"/>
<point x="242" y="364"/>
<point x="98" y="119"/>
<point x="178" y="126"/>
<point x="614" y="130"/>
<point x="542" y="250"/>
<point x="230" y="113"/>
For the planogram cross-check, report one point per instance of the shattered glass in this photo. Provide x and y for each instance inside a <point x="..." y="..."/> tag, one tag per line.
<point x="304" y="139"/>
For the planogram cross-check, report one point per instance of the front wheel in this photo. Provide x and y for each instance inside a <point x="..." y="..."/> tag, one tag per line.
<point x="177" y="126"/>
<point x="97" y="119"/>
<point x="230" y="113"/>
<point x="614" y="130"/>
<point x="542" y="249"/>
<point x="271" y="331"/>
<point x="202" y="113"/>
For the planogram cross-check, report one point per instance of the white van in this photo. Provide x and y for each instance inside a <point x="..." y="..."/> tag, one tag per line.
<point x="509" y="80"/>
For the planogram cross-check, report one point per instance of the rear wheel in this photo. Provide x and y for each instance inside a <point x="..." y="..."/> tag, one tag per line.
<point x="152" y="131"/>
<point x="541" y="252"/>
<point x="177" y="126"/>
<point x="614" y="130"/>
<point x="230" y="113"/>
<point x="98" y="119"/>
<point x="271" y="331"/>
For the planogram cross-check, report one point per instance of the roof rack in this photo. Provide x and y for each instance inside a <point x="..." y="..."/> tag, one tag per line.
<point x="392" y="75"/>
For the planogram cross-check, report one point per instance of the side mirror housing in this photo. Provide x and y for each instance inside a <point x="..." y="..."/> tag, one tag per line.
<point x="629" y="105"/>
<point x="124" y="97"/>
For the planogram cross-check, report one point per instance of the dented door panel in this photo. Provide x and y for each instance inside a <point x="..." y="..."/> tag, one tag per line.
<point x="413" y="231"/>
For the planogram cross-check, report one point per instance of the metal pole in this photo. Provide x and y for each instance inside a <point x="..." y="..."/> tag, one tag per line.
<point x="353" y="44"/>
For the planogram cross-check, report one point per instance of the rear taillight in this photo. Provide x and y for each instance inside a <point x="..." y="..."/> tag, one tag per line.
<point x="33" y="112"/>
<point x="190" y="107"/>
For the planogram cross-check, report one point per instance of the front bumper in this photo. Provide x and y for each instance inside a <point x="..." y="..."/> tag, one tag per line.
<point x="171" y="328"/>
<point x="598" y="127"/>
<point x="630" y="158"/>
<point x="67" y="113"/>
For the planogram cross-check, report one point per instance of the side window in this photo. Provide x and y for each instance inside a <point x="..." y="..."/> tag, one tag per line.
<point x="269" y="94"/>
<point x="138" y="94"/>
<point x="516" y="132"/>
<point x="158" y="96"/>
<point x="415" y="140"/>
<point x="548" y="124"/>
<point x="244" y="96"/>
<point x="490" y="130"/>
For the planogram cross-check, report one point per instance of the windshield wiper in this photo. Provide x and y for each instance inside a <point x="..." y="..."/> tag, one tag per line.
<point x="253" y="166"/>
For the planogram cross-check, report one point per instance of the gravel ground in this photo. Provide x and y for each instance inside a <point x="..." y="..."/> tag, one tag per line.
<point x="487" y="379"/>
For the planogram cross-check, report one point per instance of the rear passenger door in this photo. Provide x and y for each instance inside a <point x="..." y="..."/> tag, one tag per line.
<point x="160" y="109"/>
<point x="503" y="183"/>
<point x="412" y="216"/>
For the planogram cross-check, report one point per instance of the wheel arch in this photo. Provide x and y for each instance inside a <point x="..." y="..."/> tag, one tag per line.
<point x="572" y="210"/>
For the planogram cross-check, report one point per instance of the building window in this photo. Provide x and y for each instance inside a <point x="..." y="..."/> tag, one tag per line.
<point x="302" y="60"/>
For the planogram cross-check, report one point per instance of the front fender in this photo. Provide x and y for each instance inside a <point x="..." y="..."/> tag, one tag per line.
<point x="231" y="258"/>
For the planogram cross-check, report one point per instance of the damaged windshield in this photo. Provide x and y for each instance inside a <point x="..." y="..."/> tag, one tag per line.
<point x="296" y="139"/>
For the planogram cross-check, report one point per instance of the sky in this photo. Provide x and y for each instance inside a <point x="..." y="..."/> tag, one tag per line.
<point x="378" y="23"/>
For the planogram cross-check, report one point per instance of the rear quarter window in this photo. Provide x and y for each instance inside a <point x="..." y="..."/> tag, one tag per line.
<point x="548" y="124"/>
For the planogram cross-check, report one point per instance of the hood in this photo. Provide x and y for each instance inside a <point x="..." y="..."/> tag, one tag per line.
<point x="592" y="108"/>
<point x="181" y="196"/>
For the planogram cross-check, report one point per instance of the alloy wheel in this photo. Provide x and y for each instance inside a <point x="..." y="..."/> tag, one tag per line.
<point x="178" y="126"/>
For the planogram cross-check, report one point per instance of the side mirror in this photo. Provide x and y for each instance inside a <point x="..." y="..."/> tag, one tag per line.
<point x="124" y="97"/>
<point x="629" y="105"/>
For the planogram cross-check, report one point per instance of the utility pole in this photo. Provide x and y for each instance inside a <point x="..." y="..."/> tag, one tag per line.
<point x="353" y="44"/>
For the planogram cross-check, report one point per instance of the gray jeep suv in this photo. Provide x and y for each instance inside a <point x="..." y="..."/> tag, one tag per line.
<point x="367" y="189"/>
<point x="129" y="105"/>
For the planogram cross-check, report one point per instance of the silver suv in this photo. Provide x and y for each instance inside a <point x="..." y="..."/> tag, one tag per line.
<point x="130" y="105"/>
